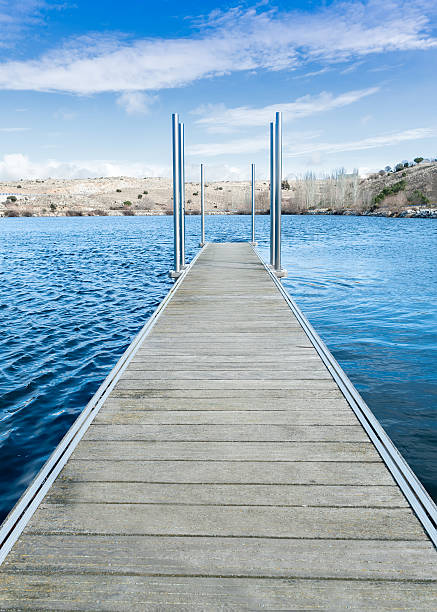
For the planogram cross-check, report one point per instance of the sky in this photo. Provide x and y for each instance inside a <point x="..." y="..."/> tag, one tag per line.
<point x="88" y="88"/>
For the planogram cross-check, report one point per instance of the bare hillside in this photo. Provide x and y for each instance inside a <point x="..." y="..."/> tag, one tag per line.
<point x="409" y="192"/>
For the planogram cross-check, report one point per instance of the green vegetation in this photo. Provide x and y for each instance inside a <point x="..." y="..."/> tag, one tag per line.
<point x="285" y="184"/>
<point x="418" y="160"/>
<point x="145" y="192"/>
<point x="127" y="203"/>
<point x="418" y="198"/>
<point x="118" y="190"/>
<point x="393" y="189"/>
<point x="195" y="193"/>
<point x="12" y="198"/>
<point x="140" y="195"/>
<point x="52" y="207"/>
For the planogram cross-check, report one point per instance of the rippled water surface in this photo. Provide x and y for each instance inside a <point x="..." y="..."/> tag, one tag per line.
<point x="74" y="292"/>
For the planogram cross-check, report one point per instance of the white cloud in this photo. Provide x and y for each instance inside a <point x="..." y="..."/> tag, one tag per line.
<point x="135" y="102"/>
<point x="14" y="129"/>
<point x="220" y="119"/>
<point x="228" y="42"/>
<point x="16" y="166"/>
<point x="293" y="148"/>
<point x="373" y="142"/>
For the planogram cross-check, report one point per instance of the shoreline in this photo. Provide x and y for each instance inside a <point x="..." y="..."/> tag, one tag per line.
<point x="427" y="213"/>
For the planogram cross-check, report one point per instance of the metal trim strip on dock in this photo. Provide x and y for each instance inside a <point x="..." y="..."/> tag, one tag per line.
<point x="23" y="510"/>
<point x="411" y="487"/>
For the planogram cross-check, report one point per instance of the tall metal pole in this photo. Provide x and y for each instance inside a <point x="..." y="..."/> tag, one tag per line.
<point x="253" y="205"/>
<point x="272" y="194"/>
<point x="278" y="195"/>
<point x="182" y="192"/>
<point x="202" y="206"/>
<point x="176" y="197"/>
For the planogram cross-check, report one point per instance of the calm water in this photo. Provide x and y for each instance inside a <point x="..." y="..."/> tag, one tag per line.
<point x="74" y="292"/>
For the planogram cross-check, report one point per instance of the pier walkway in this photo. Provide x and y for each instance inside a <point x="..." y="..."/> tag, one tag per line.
<point x="223" y="470"/>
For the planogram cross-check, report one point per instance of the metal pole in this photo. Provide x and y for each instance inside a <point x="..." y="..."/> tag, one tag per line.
<point x="272" y="194"/>
<point x="253" y="205"/>
<point x="176" y="197"/>
<point x="182" y="192"/>
<point x="202" y="206"/>
<point x="278" y="195"/>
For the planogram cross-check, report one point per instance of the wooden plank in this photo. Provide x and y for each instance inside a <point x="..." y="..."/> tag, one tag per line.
<point x="224" y="417"/>
<point x="226" y="404"/>
<point x="140" y="594"/>
<point x="243" y="472"/>
<point x="230" y="521"/>
<point x="215" y="451"/>
<point x="212" y="556"/>
<point x="225" y="495"/>
<point x="223" y="433"/>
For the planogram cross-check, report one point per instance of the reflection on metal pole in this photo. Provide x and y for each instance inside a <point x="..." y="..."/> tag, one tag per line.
<point x="176" y="197"/>
<point x="253" y="206"/>
<point x="272" y="194"/>
<point x="202" y="207"/>
<point x="182" y="192"/>
<point x="278" y="195"/>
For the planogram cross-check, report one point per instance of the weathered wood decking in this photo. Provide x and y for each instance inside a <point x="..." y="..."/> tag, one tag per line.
<point x="224" y="471"/>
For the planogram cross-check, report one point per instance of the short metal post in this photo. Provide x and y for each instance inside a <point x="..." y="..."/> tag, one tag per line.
<point x="182" y="192"/>
<point x="253" y="243"/>
<point x="176" y="198"/>
<point x="272" y="194"/>
<point x="202" y="207"/>
<point x="278" y="195"/>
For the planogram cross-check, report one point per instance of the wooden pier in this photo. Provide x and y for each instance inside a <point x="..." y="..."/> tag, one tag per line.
<point x="222" y="468"/>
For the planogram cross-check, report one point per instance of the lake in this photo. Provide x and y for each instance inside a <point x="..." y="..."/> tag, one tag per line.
<point x="74" y="291"/>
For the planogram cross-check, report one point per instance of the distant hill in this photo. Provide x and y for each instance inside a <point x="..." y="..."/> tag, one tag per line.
<point x="409" y="192"/>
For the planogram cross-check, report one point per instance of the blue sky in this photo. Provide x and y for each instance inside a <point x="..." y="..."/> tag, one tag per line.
<point x="87" y="88"/>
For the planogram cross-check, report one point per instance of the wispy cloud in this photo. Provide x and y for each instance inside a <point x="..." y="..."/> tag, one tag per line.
<point x="17" y="165"/>
<point x="16" y="16"/>
<point x="14" y="129"/>
<point x="306" y="146"/>
<point x="373" y="142"/>
<point x="135" y="102"/>
<point x="228" y="42"/>
<point x="220" y="119"/>
<point x="248" y="145"/>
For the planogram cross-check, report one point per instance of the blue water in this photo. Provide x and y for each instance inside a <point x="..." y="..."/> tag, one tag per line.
<point x="74" y="292"/>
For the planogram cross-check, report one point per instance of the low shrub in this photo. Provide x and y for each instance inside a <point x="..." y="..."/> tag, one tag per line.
<point x="418" y="198"/>
<point x="118" y="190"/>
<point x="128" y="212"/>
<point x="11" y="213"/>
<point x="393" y="189"/>
<point x="74" y="213"/>
<point x="140" y="195"/>
<point x="12" y="198"/>
<point x="127" y="203"/>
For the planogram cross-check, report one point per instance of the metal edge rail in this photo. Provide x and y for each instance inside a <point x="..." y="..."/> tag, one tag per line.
<point x="23" y="510"/>
<point x="418" y="498"/>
